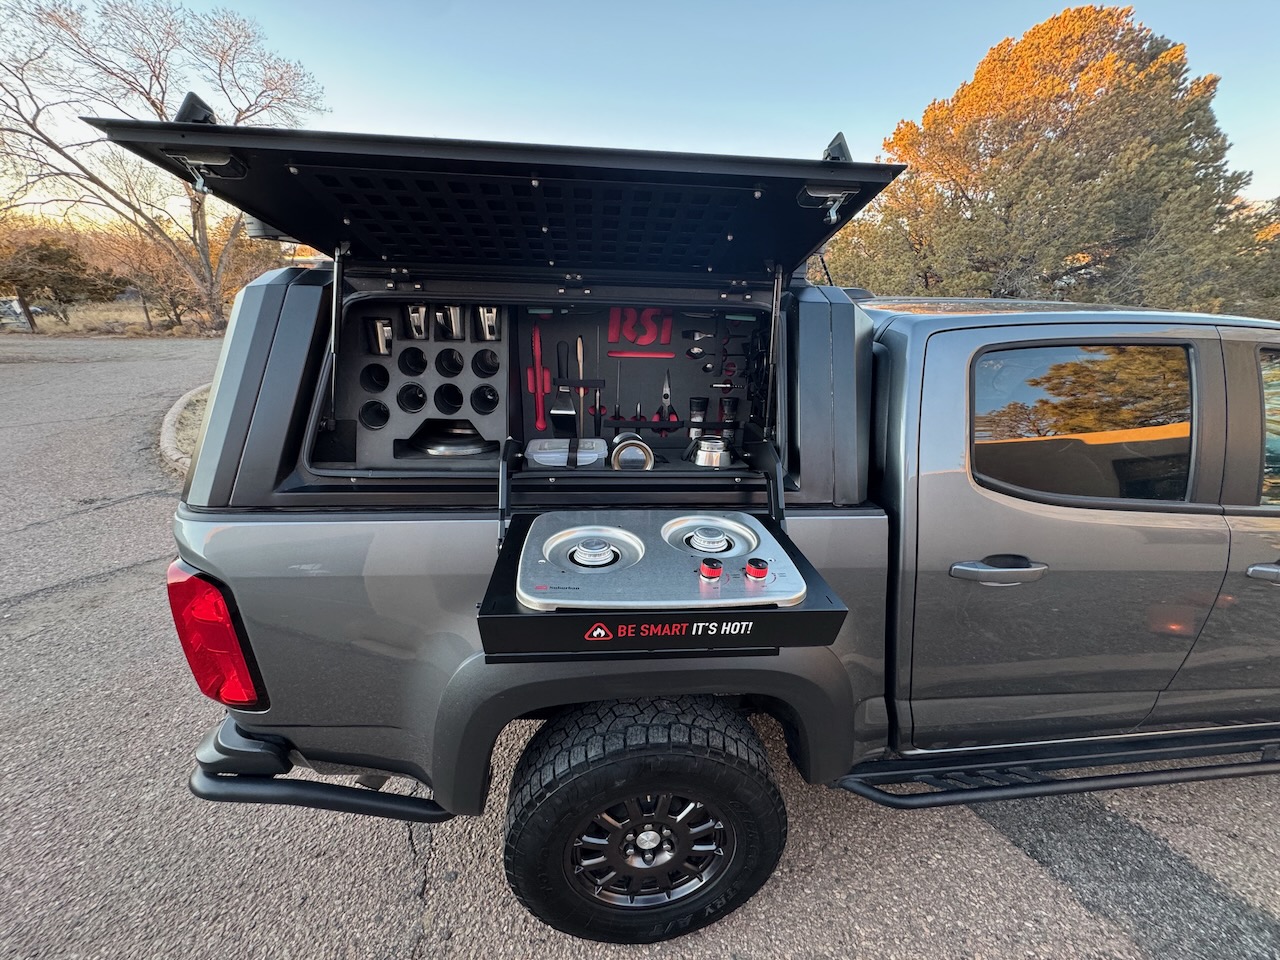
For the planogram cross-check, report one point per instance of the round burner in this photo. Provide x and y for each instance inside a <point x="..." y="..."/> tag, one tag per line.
<point x="590" y="550"/>
<point x="727" y="536"/>
<point x="709" y="540"/>
<point x="594" y="552"/>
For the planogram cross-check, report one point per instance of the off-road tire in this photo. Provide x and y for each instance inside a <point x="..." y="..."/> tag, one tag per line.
<point x="699" y="756"/>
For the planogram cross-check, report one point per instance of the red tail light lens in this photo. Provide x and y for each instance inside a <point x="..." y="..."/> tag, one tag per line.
<point x="209" y="638"/>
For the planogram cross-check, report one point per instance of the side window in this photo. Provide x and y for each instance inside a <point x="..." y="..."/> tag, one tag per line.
<point x="1087" y="421"/>
<point x="1270" y="360"/>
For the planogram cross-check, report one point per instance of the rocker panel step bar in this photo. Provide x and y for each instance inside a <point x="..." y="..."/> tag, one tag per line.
<point x="973" y="781"/>
<point x="234" y="767"/>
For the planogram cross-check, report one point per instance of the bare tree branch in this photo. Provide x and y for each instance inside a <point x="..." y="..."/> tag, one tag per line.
<point x="136" y="58"/>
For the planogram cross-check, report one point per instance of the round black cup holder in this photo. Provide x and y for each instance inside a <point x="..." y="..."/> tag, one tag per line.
<point x="413" y="362"/>
<point x="485" y="399"/>
<point x="448" y="398"/>
<point x="411" y="398"/>
<point x="374" y="414"/>
<point x="485" y="364"/>
<point x="449" y="363"/>
<point x="375" y="378"/>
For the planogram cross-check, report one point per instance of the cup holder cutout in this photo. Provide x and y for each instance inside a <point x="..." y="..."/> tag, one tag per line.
<point x="485" y="399"/>
<point x="411" y="398"/>
<point x="375" y="378"/>
<point x="449" y="363"/>
<point x="413" y="362"/>
<point x="485" y="364"/>
<point x="448" y="398"/>
<point x="374" y="414"/>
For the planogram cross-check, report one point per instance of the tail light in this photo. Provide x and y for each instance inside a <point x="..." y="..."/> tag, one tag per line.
<point x="206" y="624"/>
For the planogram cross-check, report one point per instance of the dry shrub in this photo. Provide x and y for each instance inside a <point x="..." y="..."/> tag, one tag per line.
<point x="120" y="318"/>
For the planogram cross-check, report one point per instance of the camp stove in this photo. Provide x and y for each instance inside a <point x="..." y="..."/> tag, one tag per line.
<point x="654" y="560"/>
<point x="598" y="582"/>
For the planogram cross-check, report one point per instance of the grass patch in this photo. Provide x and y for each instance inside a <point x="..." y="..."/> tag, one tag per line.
<point x="120" y="318"/>
<point x="189" y="421"/>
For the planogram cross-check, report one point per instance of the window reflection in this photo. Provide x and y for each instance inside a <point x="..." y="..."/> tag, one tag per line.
<point x="1092" y="421"/>
<point x="1271" y="429"/>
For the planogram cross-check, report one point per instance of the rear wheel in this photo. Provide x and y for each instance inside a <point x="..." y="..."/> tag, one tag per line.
<point x="637" y="821"/>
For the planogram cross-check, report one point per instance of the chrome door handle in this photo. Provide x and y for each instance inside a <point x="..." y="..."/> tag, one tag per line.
<point x="993" y="576"/>
<point x="1264" y="571"/>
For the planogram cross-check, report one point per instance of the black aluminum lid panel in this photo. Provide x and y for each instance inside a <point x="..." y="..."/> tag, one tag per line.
<point x="518" y="210"/>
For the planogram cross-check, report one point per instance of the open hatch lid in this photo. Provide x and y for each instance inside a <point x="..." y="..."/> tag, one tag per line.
<point x="526" y="211"/>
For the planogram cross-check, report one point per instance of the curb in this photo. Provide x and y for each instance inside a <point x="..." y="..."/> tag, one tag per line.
<point x="169" y="431"/>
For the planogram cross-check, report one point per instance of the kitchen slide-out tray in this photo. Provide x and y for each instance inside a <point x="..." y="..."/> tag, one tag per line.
<point x="600" y="582"/>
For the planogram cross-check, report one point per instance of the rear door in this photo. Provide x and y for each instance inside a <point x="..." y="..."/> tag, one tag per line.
<point x="1233" y="674"/>
<point x="1070" y="545"/>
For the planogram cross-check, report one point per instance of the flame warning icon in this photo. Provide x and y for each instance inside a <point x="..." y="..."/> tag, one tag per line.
<point x="599" y="632"/>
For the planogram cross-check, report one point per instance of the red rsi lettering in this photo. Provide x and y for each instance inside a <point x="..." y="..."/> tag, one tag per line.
<point x="644" y="327"/>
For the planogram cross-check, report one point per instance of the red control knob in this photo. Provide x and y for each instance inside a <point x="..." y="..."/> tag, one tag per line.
<point x="711" y="569"/>
<point x="757" y="569"/>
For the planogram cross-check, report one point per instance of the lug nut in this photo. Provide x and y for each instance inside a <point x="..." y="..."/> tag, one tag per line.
<point x="630" y="851"/>
<point x="648" y="857"/>
<point x="667" y="846"/>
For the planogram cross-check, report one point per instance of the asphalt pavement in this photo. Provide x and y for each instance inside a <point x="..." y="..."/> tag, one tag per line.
<point x="105" y="854"/>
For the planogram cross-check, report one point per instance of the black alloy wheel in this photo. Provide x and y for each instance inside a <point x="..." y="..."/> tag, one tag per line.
<point x="649" y="850"/>
<point x="638" y="821"/>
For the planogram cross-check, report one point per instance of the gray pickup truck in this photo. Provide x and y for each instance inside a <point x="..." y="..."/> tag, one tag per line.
<point x="564" y="434"/>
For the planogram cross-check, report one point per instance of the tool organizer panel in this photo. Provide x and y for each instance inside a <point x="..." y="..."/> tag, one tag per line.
<point x="426" y="386"/>
<point x="640" y="367"/>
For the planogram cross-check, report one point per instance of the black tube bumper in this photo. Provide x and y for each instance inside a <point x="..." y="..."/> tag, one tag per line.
<point x="235" y="767"/>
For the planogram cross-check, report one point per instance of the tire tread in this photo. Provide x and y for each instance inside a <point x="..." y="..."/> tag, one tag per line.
<point x="583" y="736"/>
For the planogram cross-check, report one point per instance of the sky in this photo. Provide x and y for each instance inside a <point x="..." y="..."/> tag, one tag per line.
<point x="766" y="79"/>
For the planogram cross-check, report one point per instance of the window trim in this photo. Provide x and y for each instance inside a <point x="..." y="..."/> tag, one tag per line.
<point x="1207" y="405"/>
<point x="1246" y="430"/>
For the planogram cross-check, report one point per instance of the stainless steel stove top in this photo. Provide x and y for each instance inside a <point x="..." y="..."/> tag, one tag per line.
<point x="653" y="560"/>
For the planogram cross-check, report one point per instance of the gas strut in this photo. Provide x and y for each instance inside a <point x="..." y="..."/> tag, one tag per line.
<point x="774" y="334"/>
<point x="335" y="321"/>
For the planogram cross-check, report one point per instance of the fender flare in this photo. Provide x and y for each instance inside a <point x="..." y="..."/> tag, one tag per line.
<point x="807" y="686"/>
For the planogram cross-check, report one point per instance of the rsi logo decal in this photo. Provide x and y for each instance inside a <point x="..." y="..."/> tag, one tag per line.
<point x="599" y="632"/>
<point x="641" y="327"/>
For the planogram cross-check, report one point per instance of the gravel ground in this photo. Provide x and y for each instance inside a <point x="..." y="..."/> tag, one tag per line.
<point x="106" y="855"/>
<point x="189" y="423"/>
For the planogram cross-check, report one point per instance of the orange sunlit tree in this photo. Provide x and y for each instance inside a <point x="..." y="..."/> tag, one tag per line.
<point x="1082" y="161"/>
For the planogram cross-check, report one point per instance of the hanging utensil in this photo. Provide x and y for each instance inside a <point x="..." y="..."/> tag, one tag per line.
<point x="564" y="419"/>
<point x="582" y="392"/>
<point x="539" y="382"/>
<point x="665" y="411"/>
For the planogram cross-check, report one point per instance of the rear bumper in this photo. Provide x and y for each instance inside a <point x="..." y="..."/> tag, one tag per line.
<point x="235" y="767"/>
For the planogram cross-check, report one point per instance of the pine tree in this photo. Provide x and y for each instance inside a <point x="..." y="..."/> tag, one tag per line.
<point x="1081" y="162"/>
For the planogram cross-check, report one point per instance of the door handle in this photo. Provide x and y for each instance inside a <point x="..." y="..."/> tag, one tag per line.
<point x="1264" y="571"/>
<point x="993" y="576"/>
